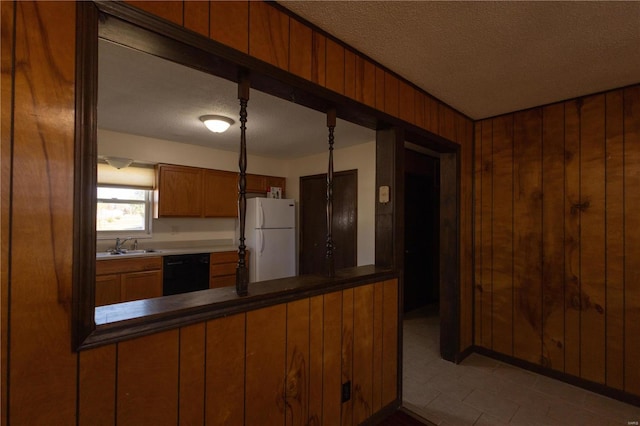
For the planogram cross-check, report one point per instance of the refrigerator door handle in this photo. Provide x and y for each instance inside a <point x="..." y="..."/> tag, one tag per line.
<point x="261" y="243"/>
<point x="261" y="216"/>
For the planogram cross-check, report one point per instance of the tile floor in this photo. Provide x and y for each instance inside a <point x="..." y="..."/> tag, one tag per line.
<point x="483" y="391"/>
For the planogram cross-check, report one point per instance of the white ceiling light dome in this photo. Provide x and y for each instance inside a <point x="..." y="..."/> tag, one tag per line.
<point x="216" y="123"/>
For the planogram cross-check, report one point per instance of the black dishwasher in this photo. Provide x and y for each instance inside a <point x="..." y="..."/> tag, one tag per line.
<point x="184" y="273"/>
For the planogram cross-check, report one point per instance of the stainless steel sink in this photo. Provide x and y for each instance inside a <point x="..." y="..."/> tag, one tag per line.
<point x="125" y="253"/>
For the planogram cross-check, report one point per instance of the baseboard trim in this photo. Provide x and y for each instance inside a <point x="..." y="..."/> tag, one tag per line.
<point x="383" y="413"/>
<point x="563" y="377"/>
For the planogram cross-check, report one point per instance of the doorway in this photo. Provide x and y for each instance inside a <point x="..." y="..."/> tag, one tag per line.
<point x="313" y="221"/>
<point x="422" y="232"/>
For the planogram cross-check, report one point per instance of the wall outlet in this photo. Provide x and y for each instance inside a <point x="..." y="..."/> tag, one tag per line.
<point x="346" y="391"/>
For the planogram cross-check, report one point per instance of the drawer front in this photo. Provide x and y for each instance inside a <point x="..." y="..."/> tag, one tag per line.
<point x="223" y="269"/>
<point x="118" y="266"/>
<point x="224" y="257"/>
<point x="224" y="281"/>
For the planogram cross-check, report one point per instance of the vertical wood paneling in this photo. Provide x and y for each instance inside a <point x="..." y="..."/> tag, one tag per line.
<point x="196" y="16"/>
<point x="431" y="114"/>
<point x="380" y="90"/>
<point x="592" y="238"/>
<point x="391" y="94"/>
<point x="553" y="237"/>
<point x="446" y="122"/>
<point x="6" y="113"/>
<point x="614" y="310"/>
<point x="269" y="34"/>
<point x="377" y="345"/>
<point x="97" y="387"/>
<point x="632" y="238"/>
<point x="407" y="102"/>
<point x="316" y="349"/>
<point x="147" y="389"/>
<point x="349" y="74"/>
<point x="363" y="353"/>
<point x="332" y="372"/>
<point x="265" y="366"/>
<point x="297" y="373"/>
<point x="42" y="216"/>
<point x="225" y="371"/>
<point x="390" y="342"/>
<point x="486" y="232"/>
<point x="347" y="353"/>
<point x="365" y="82"/>
<point x="171" y="10"/>
<point x="477" y="236"/>
<point x="335" y="67"/>
<point x="192" y="374"/>
<point x="572" y="238"/>
<point x="319" y="59"/>
<point x="502" y="235"/>
<point x="527" y="211"/>
<point x="301" y="45"/>
<point x="419" y="109"/>
<point x="229" y="23"/>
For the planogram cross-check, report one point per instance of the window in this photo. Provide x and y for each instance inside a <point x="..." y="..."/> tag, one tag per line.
<point x="123" y="211"/>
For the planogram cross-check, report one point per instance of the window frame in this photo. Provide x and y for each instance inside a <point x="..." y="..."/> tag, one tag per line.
<point x="122" y="233"/>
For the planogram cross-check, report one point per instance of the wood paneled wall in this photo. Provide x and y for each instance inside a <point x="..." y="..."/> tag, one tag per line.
<point x="283" y="364"/>
<point x="105" y="384"/>
<point x="557" y="237"/>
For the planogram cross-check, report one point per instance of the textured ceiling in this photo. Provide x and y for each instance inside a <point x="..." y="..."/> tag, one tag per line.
<point x="489" y="58"/>
<point x="148" y="96"/>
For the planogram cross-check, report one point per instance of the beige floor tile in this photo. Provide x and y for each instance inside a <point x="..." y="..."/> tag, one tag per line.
<point x="485" y="391"/>
<point x="492" y="404"/>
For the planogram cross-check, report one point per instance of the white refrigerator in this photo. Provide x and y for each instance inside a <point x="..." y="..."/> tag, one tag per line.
<point x="270" y="235"/>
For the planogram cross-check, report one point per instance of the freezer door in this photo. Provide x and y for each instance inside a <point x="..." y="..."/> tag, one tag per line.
<point x="275" y="213"/>
<point x="274" y="255"/>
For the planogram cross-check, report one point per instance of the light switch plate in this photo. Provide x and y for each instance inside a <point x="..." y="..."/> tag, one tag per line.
<point x="383" y="194"/>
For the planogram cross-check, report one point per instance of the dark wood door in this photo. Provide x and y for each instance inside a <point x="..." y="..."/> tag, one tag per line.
<point x="421" y="259"/>
<point x="313" y="221"/>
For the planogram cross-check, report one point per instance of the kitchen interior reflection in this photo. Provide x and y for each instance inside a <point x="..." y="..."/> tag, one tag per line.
<point x="149" y="113"/>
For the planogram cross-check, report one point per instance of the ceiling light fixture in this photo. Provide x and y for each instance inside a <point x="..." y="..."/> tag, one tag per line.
<point x="118" y="162"/>
<point x="216" y="123"/>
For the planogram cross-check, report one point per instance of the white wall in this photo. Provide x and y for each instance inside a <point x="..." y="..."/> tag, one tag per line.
<point x="139" y="148"/>
<point x="361" y="157"/>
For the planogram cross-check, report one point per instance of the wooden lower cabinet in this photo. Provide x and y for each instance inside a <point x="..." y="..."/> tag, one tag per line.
<point x="223" y="268"/>
<point x="123" y="280"/>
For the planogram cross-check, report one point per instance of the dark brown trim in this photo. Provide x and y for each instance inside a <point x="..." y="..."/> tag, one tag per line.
<point x="449" y="256"/>
<point x="383" y="413"/>
<point x="563" y="377"/>
<point x="143" y="317"/>
<point x="330" y="264"/>
<point x="85" y="164"/>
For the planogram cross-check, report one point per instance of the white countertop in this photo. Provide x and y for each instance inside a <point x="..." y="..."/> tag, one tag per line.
<point x="168" y="252"/>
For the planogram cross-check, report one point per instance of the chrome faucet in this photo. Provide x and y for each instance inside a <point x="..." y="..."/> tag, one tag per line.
<point x="119" y="243"/>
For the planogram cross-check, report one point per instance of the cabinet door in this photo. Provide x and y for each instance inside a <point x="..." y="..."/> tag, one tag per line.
<point x="220" y="197"/>
<point x="141" y="285"/>
<point x="179" y="192"/>
<point x="276" y="181"/>
<point x="256" y="183"/>
<point x="107" y="289"/>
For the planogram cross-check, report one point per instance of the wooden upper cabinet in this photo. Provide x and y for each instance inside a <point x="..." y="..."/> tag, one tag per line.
<point x="179" y="191"/>
<point x="256" y="183"/>
<point x="276" y="181"/>
<point x="220" y="197"/>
